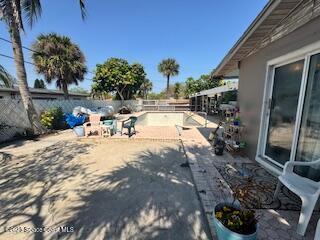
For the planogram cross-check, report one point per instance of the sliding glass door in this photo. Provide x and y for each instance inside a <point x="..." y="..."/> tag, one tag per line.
<point x="309" y="138"/>
<point x="290" y="129"/>
<point x="283" y="110"/>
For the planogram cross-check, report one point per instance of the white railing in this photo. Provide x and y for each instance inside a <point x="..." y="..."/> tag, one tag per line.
<point x="166" y="108"/>
<point x="166" y="105"/>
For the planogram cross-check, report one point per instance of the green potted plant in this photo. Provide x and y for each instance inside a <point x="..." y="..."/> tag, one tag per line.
<point x="233" y="223"/>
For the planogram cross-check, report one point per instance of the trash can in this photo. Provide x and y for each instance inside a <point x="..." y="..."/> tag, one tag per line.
<point x="79" y="131"/>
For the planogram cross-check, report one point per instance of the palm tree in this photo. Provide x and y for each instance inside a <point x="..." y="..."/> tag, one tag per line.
<point x="168" y="67"/>
<point x="57" y="58"/>
<point x="12" y="13"/>
<point x="145" y="88"/>
<point x="177" y="90"/>
<point x="6" y="80"/>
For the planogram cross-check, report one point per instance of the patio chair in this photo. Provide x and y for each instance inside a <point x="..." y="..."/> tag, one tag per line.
<point x="113" y="125"/>
<point x="317" y="236"/>
<point x="94" y="125"/>
<point x="307" y="189"/>
<point x="129" y="124"/>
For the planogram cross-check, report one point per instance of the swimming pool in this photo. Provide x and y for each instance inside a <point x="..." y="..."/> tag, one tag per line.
<point x="166" y="119"/>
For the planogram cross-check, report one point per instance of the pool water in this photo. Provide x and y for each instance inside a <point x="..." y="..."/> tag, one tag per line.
<point x="166" y="119"/>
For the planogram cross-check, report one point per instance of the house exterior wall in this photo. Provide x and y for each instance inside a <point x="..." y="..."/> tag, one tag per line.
<point x="253" y="74"/>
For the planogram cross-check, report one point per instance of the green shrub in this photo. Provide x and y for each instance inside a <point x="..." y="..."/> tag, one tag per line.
<point x="53" y="118"/>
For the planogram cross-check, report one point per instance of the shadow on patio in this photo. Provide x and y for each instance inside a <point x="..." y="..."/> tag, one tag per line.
<point x="31" y="183"/>
<point x="149" y="196"/>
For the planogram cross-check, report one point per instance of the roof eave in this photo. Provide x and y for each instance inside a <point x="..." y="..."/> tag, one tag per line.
<point x="266" y="11"/>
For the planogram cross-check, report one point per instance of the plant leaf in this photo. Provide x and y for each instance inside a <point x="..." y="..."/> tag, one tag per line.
<point x="5" y="78"/>
<point x="32" y="10"/>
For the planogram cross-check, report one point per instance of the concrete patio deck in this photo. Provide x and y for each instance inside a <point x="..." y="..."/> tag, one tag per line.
<point x="212" y="188"/>
<point x="86" y="190"/>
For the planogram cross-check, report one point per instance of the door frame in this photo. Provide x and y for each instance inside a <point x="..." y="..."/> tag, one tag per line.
<point x="300" y="54"/>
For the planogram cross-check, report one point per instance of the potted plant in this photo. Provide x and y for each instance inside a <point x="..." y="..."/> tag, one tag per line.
<point x="219" y="145"/>
<point x="236" y="121"/>
<point x="233" y="223"/>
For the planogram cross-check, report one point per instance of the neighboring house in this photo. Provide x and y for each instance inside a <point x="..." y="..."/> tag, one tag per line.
<point x="278" y="62"/>
<point x="38" y="93"/>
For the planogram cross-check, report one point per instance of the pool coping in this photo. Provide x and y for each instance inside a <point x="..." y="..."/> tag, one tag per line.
<point x="189" y="113"/>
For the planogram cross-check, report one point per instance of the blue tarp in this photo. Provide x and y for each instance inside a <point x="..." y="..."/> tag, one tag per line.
<point x="73" y="121"/>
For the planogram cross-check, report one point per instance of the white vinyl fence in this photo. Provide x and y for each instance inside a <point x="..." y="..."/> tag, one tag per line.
<point x="14" y="120"/>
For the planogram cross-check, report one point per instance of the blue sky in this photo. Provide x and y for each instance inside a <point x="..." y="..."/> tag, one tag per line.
<point x="197" y="34"/>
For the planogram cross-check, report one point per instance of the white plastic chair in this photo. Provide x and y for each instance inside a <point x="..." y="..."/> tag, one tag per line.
<point x="317" y="236"/>
<point x="307" y="189"/>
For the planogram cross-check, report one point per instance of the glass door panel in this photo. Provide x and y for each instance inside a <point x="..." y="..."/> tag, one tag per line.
<point x="283" y="110"/>
<point x="309" y="139"/>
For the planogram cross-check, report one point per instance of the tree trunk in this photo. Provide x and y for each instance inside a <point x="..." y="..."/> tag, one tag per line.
<point x="65" y="89"/>
<point x="14" y="30"/>
<point x="168" y="81"/>
<point x="122" y="98"/>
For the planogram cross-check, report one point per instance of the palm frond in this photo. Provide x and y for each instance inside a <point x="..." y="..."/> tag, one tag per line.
<point x="31" y="10"/>
<point x="83" y="9"/>
<point x="6" y="79"/>
<point x="3" y="10"/>
<point x="169" y="67"/>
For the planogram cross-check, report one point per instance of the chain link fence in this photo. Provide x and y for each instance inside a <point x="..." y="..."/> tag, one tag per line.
<point x="14" y="120"/>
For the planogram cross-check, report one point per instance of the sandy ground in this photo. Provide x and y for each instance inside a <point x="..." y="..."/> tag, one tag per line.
<point x="68" y="189"/>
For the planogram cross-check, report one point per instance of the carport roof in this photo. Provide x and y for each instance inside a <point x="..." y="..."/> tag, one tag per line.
<point x="213" y="91"/>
